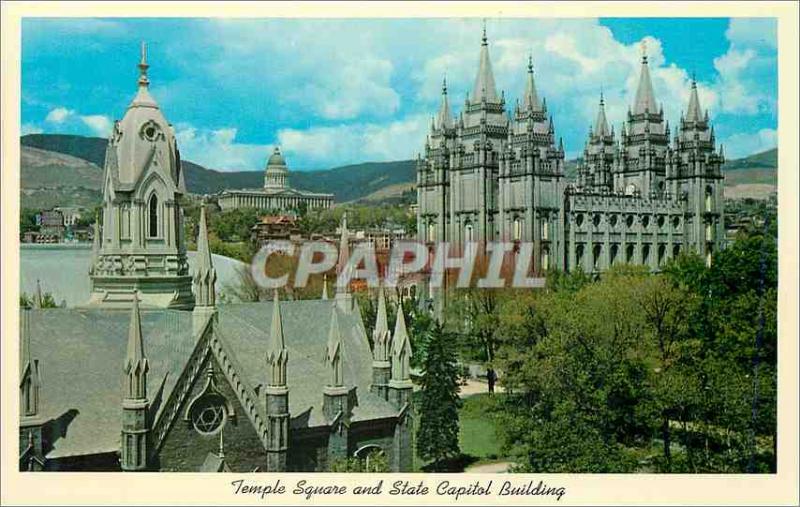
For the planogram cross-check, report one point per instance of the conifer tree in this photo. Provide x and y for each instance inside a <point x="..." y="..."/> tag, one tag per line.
<point x="437" y="435"/>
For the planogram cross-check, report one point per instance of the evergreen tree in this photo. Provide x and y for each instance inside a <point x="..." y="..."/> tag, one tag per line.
<point x="437" y="435"/>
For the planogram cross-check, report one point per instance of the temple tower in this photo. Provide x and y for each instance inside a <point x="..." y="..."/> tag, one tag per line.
<point x="142" y="246"/>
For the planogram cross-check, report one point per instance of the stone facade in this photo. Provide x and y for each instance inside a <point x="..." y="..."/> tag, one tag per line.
<point x="492" y="175"/>
<point x="276" y="194"/>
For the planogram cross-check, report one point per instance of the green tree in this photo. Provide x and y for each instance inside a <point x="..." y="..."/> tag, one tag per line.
<point x="437" y="434"/>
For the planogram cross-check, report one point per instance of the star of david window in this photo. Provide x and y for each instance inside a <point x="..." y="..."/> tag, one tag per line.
<point x="208" y="414"/>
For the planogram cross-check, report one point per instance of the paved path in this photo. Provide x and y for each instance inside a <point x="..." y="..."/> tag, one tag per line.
<point x="475" y="387"/>
<point x="489" y="468"/>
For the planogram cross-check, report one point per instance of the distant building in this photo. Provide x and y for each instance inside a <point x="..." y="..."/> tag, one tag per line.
<point x="72" y="215"/>
<point x="51" y="227"/>
<point x="276" y="194"/>
<point x="274" y="227"/>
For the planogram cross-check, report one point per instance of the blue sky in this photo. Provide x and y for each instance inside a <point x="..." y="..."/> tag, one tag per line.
<point x="333" y="92"/>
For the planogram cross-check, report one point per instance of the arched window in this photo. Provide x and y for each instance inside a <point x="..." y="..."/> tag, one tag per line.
<point x="629" y="254"/>
<point x="545" y="229"/>
<point x="614" y="253"/>
<point x="596" y="251"/>
<point x="517" y="230"/>
<point x="545" y="259"/>
<point x="152" y="214"/>
<point x="431" y="232"/>
<point x="709" y="200"/>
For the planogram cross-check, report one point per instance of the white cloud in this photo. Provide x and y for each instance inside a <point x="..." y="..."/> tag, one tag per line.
<point x="743" y="144"/>
<point x="99" y="124"/>
<point x="58" y="115"/>
<point x="753" y="31"/>
<point x="317" y="147"/>
<point x="218" y="149"/>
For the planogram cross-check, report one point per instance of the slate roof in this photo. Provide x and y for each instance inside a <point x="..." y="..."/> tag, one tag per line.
<point x="81" y="353"/>
<point x="245" y="328"/>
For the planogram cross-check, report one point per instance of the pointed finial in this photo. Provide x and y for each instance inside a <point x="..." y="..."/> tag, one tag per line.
<point x="221" y="453"/>
<point x="530" y="63"/>
<point x="444" y="85"/>
<point x="143" y="66"/>
<point x="484" y="40"/>
<point x="643" y="46"/>
<point x="325" y="286"/>
<point x="602" y="102"/>
<point x="38" y="299"/>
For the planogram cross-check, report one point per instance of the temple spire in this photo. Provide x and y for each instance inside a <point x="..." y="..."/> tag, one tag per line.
<point x="531" y="99"/>
<point x="143" y="66"/>
<point x="601" y="128"/>
<point x="38" y="299"/>
<point x="401" y="349"/>
<point x="645" y="97"/>
<point x="484" y="88"/>
<point x="136" y="364"/>
<point x="445" y="117"/>
<point x="333" y="353"/>
<point x="344" y="254"/>
<point x="693" y="110"/>
<point x="206" y="276"/>
<point x="277" y="355"/>
<point x="381" y="333"/>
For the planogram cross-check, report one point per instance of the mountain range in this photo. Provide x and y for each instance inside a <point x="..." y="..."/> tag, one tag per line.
<point x="66" y="170"/>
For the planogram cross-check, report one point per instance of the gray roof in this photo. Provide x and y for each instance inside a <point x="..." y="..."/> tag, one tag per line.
<point x="81" y="355"/>
<point x="246" y="327"/>
<point x="82" y="352"/>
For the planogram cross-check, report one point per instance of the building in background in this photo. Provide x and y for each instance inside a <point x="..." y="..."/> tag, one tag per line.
<point x="640" y="197"/>
<point x="274" y="227"/>
<point x="276" y="194"/>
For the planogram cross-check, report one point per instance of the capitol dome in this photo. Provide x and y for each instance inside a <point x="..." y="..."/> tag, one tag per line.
<point x="276" y="174"/>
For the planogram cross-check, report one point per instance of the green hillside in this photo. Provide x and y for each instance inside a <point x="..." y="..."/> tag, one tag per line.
<point x="65" y="169"/>
<point x="347" y="183"/>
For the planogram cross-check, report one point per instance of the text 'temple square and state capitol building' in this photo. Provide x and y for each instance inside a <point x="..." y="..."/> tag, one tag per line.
<point x="641" y="195"/>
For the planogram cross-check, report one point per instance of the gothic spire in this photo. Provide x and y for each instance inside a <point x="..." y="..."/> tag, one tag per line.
<point x="38" y="299"/>
<point x="325" y="286"/>
<point x="333" y="352"/>
<point x="143" y="97"/>
<point x="445" y="117"/>
<point x="29" y="369"/>
<point x="206" y="276"/>
<point x="136" y="365"/>
<point x="277" y="355"/>
<point x="531" y="99"/>
<point x="344" y="253"/>
<point x="381" y="332"/>
<point x="401" y="348"/>
<point x="693" y="111"/>
<point x="601" y="128"/>
<point x="484" y="82"/>
<point x="645" y="97"/>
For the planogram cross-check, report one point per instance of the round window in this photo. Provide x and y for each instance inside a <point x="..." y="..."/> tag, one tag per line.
<point x="209" y="415"/>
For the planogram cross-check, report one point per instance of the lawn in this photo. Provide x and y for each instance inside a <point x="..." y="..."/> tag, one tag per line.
<point x="477" y="436"/>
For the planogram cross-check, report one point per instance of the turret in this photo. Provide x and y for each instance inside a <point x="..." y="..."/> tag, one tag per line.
<point x="135" y="403"/>
<point x="400" y="389"/>
<point x="381" y="343"/>
<point x="336" y="401"/>
<point x="277" y="393"/>
<point x="31" y="422"/>
<point x="205" y="279"/>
